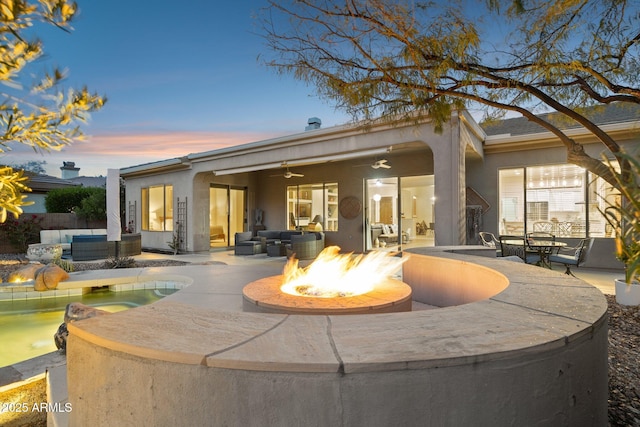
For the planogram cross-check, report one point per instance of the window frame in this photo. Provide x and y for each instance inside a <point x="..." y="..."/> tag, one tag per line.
<point x="152" y="207"/>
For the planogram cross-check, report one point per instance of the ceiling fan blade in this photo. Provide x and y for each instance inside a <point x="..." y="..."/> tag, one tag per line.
<point x="380" y="164"/>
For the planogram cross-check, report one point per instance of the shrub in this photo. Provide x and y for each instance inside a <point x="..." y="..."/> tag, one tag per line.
<point x="94" y="206"/>
<point x="87" y="202"/>
<point x="120" y="262"/>
<point x="23" y="231"/>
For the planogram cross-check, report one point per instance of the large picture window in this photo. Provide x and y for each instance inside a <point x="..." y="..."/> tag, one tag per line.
<point x="157" y="208"/>
<point x="313" y="207"/>
<point x="564" y="200"/>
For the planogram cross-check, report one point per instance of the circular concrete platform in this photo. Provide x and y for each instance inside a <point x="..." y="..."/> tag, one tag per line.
<point x="514" y="345"/>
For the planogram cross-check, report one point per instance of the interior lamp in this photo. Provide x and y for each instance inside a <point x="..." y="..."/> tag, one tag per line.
<point x="318" y="222"/>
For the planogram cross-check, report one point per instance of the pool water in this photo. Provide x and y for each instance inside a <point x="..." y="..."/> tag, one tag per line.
<point x="27" y="326"/>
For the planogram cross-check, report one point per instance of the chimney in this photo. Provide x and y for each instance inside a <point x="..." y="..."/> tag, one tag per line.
<point x="313" y="123"/>
<point x="69" y="170"/>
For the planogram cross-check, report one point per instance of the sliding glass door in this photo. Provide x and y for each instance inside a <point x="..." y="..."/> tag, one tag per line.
<point x="227" y="214"/>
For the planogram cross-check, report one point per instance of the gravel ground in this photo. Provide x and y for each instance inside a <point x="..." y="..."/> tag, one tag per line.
<point x="624" y="343"/>
<point x="624" y="364"/>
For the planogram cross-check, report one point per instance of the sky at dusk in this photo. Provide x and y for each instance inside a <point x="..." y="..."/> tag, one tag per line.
<point x="180" y="77"/>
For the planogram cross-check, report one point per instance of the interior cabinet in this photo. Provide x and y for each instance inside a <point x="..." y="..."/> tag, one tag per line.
<point x="305" y="202"/>
<point x="331" y="208"/>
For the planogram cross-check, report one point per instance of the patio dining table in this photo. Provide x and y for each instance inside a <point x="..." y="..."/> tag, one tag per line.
<point x="543" y="247"/>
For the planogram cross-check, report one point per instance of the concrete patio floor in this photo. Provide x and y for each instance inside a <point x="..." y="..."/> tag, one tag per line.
<point x="601" y="279"/>
<point x="206" y="265"/>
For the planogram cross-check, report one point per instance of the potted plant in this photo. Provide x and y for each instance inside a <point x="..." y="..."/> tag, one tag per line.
<point x="624" y="217"/>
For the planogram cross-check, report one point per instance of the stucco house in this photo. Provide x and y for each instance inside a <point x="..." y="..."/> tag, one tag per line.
<point x="432" y="188"/>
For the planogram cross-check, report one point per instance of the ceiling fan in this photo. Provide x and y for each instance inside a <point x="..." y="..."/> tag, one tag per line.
<point x="288" y="174"/>
<point x="382" y="163"/>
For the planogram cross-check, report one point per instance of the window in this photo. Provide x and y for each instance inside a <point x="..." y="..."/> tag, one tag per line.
<point x="157" y="208"/>
<point x="313" y="207"/>
<point x="562" y="199"/>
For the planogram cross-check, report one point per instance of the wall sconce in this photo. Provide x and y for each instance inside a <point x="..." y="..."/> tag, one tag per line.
<point x="377" y="197"/>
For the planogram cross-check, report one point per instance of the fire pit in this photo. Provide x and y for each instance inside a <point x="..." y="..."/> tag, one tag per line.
<point x="514" y="345"/>
<point x="332" y="284"/>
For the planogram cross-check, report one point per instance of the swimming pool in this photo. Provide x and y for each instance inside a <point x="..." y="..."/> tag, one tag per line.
<point x="27" y="326"/>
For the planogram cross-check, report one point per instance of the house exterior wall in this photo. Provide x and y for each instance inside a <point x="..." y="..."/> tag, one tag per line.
<point x="182" y="187"/>
<point x="417" y="148"/>
<point x="482" y="176"/>
<point x="38" y="205"/>
<point x="350" y="176"/>
<point x="456" y="158"/>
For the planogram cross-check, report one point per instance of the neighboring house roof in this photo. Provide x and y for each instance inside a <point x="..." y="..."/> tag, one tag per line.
<point x="90" y="181"/>
<point x="614" y="113"/>
<point x="45" y="183"/>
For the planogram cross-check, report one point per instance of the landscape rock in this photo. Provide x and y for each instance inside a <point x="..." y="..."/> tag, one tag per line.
<point x="75" y="311"/>
<point x="48" y="277"/>
<point x="25" y="273"/>
<point x="60" y="337"/>
<point x="78" y="311"/>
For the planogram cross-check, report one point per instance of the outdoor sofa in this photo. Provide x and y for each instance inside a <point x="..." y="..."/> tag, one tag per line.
<point x="247" y="244"/>
<point x="85" y="244"/>
<point x="282" y="236"/>
<point x="306" y="245"/>
<point x="65" y="236"/>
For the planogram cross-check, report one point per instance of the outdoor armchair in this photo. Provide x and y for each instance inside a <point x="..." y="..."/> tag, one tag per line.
<point x="306" y="246"/>
<point x="575" y="256"/>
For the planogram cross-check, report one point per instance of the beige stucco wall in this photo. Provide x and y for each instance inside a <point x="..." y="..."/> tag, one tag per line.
<point x="417" y="150"/>
<point x="482" y="175"/>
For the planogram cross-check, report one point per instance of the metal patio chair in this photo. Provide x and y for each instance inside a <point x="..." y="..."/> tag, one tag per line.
<point x="575" y="256"/>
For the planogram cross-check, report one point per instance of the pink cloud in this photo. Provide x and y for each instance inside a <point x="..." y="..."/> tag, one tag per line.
<point x="162" y="145"/>
<point x="104" y="151"/>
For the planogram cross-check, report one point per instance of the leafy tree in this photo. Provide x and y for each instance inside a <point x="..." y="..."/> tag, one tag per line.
<point x="94" y="207"/>
<point x="87" y="202"/>
<point x="35" y="166"/>
<point x="12" y="185"/>
<point x="39" y="114"/>
<point x="390" y="59"/>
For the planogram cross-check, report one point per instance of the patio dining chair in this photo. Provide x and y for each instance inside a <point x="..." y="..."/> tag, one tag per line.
<point x="543" y="226"/>
<point x="575" y="256"/>
<point x="489" y="240"/>
<point x="517" y="246"/>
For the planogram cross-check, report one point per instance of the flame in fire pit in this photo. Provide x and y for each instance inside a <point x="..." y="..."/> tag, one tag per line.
<point x="338" y="275"/>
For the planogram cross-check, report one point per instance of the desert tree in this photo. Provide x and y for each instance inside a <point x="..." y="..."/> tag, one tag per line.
<point x="401" y="58"/>
<point x="34" y="110"/>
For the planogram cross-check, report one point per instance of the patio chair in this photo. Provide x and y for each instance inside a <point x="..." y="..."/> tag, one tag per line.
<point x="306" y="246"/>
<point x="575" y="257"/>
<point x="489" y="240"/>
<point x="543" y="226"/>
<point x="564" y="228"/>
<point x="246" y="244"/>
<point x="517" y="246"/>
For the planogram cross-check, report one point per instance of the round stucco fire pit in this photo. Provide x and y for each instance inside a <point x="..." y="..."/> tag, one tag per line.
<point x="265" y="296"/>
<point x="513" y="344"/>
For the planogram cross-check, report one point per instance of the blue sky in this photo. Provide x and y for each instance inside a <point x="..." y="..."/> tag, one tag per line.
<point x="179" y="78"/>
